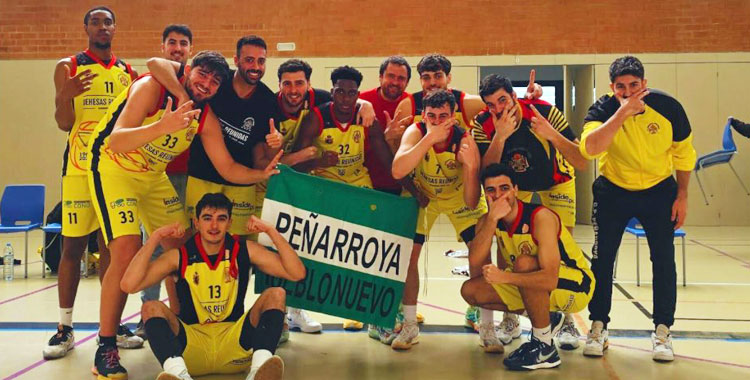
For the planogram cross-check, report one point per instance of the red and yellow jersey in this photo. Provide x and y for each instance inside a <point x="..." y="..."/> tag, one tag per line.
<point x="439" y="175"/>
<point x="289" y="125"/>
<point x="151" y="158"/>
<point x="460" y="114"/>
<point x="348" y="141"/>
<point x="112" y="77"/>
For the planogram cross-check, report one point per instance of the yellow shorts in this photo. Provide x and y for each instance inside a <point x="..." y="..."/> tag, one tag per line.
<point x="215" y="348"/>
<point x="78" y="215"/>
<point x="575" y="288"/>
<point x="123" y="202"/>
<point x="460" y="215"/>
<point x="260" y="196"/>
<point x="560" y="198"/>
<point x="242" y="197"/>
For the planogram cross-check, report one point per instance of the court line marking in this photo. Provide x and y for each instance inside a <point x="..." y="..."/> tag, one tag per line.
<point x="27" y="294"/>
<point x="745" y="264"/>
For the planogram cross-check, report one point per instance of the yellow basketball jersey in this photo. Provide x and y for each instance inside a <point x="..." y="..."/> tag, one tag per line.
<point x="349" y="142"/>
<point x="151" y="158"/>
<point x="517" y="240"/>
<point x="212" y="289"/>
<point x="460" y="114"/>
<point x="439" y="174"/>
<point x="111" y="79"/>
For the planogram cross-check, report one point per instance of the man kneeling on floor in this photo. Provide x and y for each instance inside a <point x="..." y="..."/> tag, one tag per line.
<point x="213" y="333"/>
<point x="544" y="271"/>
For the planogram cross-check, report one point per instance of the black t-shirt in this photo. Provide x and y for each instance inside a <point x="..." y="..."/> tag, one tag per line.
<point x="243" y="122"/>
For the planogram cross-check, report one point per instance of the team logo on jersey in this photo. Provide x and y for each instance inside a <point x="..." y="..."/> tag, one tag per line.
<point x="653" y="128"/>
<point x="124" y="79"/>
<point x="196" y="278"/>
<point x="189" y="135"/>
<point x="342" y="172"/>
<point x="227" y="275"/>
<point x="329" y="139"/>
<point x="357" y="136"/>
<point x="248" y="124"/>
<point x="519" y="163"/>
<point x="451" y="164"/>
<point x="524" y="248"/>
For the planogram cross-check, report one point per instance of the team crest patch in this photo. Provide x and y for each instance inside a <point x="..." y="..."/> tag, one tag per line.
<point x="189" y="135"/>
<point x="329" y="139"/>
<point x="227" y="275"/>
<point x="524" y="248"/>
<point x="248" y="124"/>
<point x="196" y="278"/>
<point x="123" y="79"/>
<point x="653" y="128"/>
<point x="519" y="163"/>
<point x="451" y="164"/>
<point x="357" y="136"/>
<point x="341" y="172"/>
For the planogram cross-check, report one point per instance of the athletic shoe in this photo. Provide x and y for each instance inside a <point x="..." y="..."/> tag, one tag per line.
<point x="387" y="336"/>
<point x="271" y="369"/>
<point x="457" y="254"/>
<point x="488" y="339"/>
<point x="372" y="331"/>
<point x="597" y="340"/>
<point x="568" y="336"/>
<point x="284" y="334"/>
<point x="125" y="338"/>
<point x="299" y="319"/>
<point x="174" y="369"/>
<point x="140" y="330"/>
<point x="107" y="364"/>
<point x="661" y="340"/>
<point x="510" y="328"/>
<point x="471" y="318"/>
<point x="60" y="343"/>
<point x="461" y="270"/>
<point x="533" y="354"/>
<point x="556" y="321"/>
<point x="353" y="325"/>
<point x="408" y="336"/>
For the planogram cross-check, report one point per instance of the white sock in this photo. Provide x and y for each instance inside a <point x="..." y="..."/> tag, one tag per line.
<point x="259" y="357"/>
<point x="410" y="313"/>
<point x="486" y="316"/>
<point x="175" y="366"/>
<point x="544" y="334"/>
<point x="66" y="316"/>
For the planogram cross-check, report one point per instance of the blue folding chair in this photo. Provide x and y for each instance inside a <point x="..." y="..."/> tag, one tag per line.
<point x="22" y="210"/>
<point x="723" y="156"/>
<point x="635" y="228"/>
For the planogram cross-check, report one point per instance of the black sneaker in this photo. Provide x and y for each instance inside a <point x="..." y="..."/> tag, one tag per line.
<point x="556" y="321"/>
<point x="533" y="354"/>
<point x="60" y="343"/>
<point x="107" y="364"/>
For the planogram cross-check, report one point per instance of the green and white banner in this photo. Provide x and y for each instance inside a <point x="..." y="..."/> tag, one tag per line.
<point x="354" y="242"/>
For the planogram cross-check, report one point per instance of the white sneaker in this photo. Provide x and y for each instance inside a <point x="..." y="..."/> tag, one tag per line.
<point x="488" y="339"/>
<point x="299" y="319"/>
<point x="60" y="343"/>
<point x="408" y="336"/>
<point x="174" y="369"/>
<point x="271" y="369"/>
<point x="126" y="338"/>
<point x="597" y="340"/>
<point x="568" y="338"/>
<point x="510" y="328"/>
<point x="662" y="343"/>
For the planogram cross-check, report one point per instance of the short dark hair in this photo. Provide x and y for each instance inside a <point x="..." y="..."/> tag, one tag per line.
<point x="251" y="40"/>
<point x="346" y="72"/>
<point x="396" y="60"/>
<point x="218" y="201"/>
<point x="496" y="170"/>
<point x="294" y="65"/>
<point x="177" y="28"/>
<point x="493" y="82"/>
<point x="627" y="65"/>
<point x="94" y="9"/>
<point x="434" y="62"/>
<point x="438" y="98"/>
<point x="213" y="62"/>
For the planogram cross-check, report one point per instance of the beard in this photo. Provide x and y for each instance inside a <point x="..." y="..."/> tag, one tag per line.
<point x="246" y="77"/>
<point x="103" y="45"/>
<point x="197" y="103"/>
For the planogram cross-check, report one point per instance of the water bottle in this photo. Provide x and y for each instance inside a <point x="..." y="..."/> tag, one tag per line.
<point x="8" y="262"/>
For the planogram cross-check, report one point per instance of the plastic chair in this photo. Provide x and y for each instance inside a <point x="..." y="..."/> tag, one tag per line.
<point x="22" y="210"/>
<point x="635" y="228"/>
<point x="723" y="156"/>
<point x="52" y="228"/>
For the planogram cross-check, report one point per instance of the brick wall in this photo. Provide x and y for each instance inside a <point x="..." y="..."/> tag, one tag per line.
<point x="38" y="29"/>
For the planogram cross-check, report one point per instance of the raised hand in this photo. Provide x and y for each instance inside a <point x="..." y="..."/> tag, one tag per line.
<point x="499" y="208"/>
<point x="174" y="230"/>
<point x="366" y="114"/>
<point x="77" y="84"/>
<point x="395" y="127"/>
<point x="173" y="121"/>
<point x="506" y="124"/>
<point x="257" y="225"/>
<point x="274" y="138"/>
<point x="271" y="169"/>
<point x="633" y="104"/>
<point x="541" y="126"/>
<point x="440" y="132"/>
<point x="533" y="90"/>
